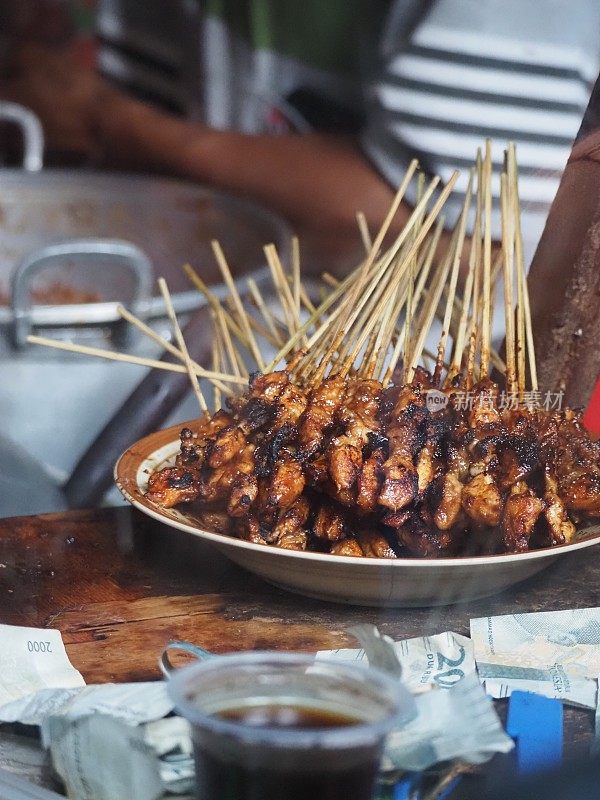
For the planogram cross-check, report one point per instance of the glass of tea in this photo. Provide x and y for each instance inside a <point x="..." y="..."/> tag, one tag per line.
<point x="271" y="726"/>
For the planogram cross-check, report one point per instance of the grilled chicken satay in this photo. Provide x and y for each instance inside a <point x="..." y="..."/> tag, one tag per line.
<point x="174" y="485"/>
<point x="358" y="413"/>
<point x="421" y="537"/>
<point x="347" y="547"/>
<point x="290" y="532"/>
<point x="329" y="524"/>
<point x="457" y="461"/>
<point x="560" y="526"/>
<point x="481" y="498"/>
<point x="323" y="402"/>
<point x="182" y="483"/>
<point x="369" y="481"/>
<point x="406" y="437"/>
<point x="374" y="544"/>
<point x="521" y="512"/>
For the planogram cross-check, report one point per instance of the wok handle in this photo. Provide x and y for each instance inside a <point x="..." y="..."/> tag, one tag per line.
<point x="127" y="254"/>
<point x="143" y="412"/>
<point x="32" y="131"/>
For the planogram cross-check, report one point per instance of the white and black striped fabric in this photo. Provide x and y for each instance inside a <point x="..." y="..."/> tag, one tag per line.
<point x="518" y="70"/>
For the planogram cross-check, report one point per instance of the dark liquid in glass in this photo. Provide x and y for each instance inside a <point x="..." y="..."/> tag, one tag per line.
<point x="223" y="779"/>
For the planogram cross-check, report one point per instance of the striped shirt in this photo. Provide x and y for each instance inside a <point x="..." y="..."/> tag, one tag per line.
<point x="508" y="70"/>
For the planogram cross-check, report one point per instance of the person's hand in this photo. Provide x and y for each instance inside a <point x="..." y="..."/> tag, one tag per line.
<point x="63" y="94"/>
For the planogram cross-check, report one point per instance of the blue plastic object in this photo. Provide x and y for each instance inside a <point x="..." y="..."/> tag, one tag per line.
<point x="536" y="724"/>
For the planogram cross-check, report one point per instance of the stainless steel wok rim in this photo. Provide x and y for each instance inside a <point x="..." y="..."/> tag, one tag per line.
<point x="124" y="185"/>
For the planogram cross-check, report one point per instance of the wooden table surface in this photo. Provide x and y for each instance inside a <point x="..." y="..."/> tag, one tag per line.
<point x="119" y="586"/>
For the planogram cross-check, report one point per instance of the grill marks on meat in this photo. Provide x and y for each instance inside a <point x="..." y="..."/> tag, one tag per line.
<point x="406" y="438"/>
<point x="173" y="485"/>
<point x="358" y="415"/>
<point x="352" y="469"/>
<point x="323" y="402"/>
<point x="521" y="513"/>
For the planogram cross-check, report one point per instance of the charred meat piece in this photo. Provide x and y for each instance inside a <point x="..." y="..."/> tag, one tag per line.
<point x="374" y="544"/>
<point x="450" y="506"/>
<point x="347" y="547"/>
<point x="420" y="536"/>
<point x="220" y="480"/>
<point x="173" y="485"/>
<point x="581" y="492"/>
<point x="561" y="528"/>
<point x="323" y="402"/>
<point x="482" y="501"/>
<point x="358" y="414"/>
<point x="194" y="443"/>
<point x="369" y="481"/>
<point x="521" y="512"/>
<point x="249" y="530"/>
<point x="228" y="443"/>
<point x="287" y="483"/>
<point x="244" y="491"/>
<point x="289" y="532"/>
<point x="329" y="523"/>
<point x="406" y="434"/>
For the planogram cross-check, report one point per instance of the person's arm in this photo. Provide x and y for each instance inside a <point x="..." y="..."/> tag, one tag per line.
<point x="318" y="182"/>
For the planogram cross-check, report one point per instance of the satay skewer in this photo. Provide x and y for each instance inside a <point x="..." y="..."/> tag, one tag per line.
<point x="166" y="295"/>
<point x="365" y="235"/>
<point x="462" y="227"/>
<point x="508" y="263"/>
<point x="409" y="253"/>
<point x="296" y="282"/>
<point x="216" y="363"/>
<point x="235" y="362"/>
<point x="344" y="323"/>
<point x="521" y="272"/>
<point x="265" y="312"/>
<point x="423" y="272"/>
<point x="168" y="346"/>
<point x="214" y="302"/>
<point x="487" y="261"/>
<point x="428" y="312"/>
<point x="235" y="297"/>
<point x="127" y="358"/>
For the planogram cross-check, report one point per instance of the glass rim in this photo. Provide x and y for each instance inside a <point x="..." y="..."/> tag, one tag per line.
<point x="347" y="736"/>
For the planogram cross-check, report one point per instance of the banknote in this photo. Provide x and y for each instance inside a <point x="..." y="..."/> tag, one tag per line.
<point x="33" y="659"/>
<point x="440" y="660"/>
<point x="453" y="718"/>
<point x="554" y="653"/>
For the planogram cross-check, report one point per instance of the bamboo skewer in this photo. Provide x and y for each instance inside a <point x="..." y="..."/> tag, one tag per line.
<point x="364" y="273"/>
<point x="166" y="295"/>
<point x="216" y="364"/>
<point x="418" y="291"/>
<point x="429" y="309"/>
<point x="508" y="251"/>
<point x="525" y="320"/>
<point x="235" y="297"/>
<point x="170" y="348"/>
<point x="296" y="276"/>
<point x="126" y="358"/>
<point x="365" y="235"/>
<point x="411" y="288"/>
<point x="487" y="260"/>
<point x="234" y="361"/>
<point x="265" y="313"/>
<point x="462" y="226"/>
<point x="213" y="301"/>
<point x="283" y="290"/>
<point x="411" y="249"/>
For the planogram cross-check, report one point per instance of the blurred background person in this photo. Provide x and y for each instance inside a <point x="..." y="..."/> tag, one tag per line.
<point x="315" y="108"/>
